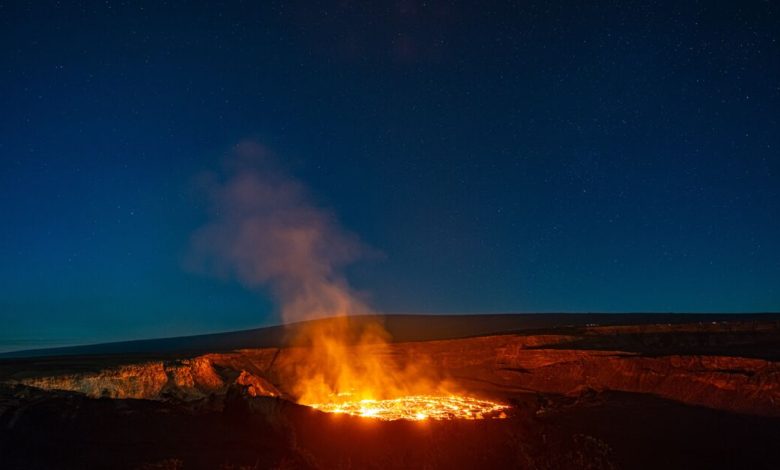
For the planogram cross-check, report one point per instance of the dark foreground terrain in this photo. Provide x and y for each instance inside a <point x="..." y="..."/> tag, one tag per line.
<point x="584" y="394"/>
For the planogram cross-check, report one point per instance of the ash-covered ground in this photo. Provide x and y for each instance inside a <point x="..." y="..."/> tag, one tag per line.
<point x="585" y="392"/>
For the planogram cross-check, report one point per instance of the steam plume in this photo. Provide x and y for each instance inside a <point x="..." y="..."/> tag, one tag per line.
<point x="266" y="232"/>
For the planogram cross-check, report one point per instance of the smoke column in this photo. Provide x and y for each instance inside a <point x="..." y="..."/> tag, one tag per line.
<point x="266" y="232"/>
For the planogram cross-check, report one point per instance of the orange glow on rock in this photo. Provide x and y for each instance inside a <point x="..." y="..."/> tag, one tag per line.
<point x="344" y="365"/>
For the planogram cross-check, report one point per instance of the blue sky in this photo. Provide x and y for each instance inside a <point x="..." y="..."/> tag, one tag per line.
<point x="501" y="157"/>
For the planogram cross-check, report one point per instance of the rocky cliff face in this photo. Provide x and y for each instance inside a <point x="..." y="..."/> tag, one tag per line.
<point x="723" y="382"/>
<point x="183" y="379"/>
<point x="501" y="366"/>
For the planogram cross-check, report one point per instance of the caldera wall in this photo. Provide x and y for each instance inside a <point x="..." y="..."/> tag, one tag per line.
<point x="499" y="366"/>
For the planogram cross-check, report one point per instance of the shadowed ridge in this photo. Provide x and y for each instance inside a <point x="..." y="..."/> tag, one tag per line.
<point x="402" y="328"/>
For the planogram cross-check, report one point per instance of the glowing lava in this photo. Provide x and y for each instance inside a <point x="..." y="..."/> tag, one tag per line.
<point x="417" y="408"/>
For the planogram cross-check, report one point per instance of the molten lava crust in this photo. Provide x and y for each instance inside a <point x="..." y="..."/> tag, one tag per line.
<point x="417" y="407"/>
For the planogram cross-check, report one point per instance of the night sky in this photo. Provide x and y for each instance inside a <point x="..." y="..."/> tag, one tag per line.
<point x="519" y="157"/>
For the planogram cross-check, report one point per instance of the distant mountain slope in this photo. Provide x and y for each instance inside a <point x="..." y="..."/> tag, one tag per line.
<point x="401" y="327"/>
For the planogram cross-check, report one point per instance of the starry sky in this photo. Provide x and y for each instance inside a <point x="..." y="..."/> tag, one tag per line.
<point x="501" y="156"/>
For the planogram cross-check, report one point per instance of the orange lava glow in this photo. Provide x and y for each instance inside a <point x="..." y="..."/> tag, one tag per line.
<point x="417" y="408"/>
<point x="347" y="367"/>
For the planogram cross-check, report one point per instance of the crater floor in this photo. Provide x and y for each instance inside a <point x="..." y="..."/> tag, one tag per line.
<point x="673" y="395"/>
